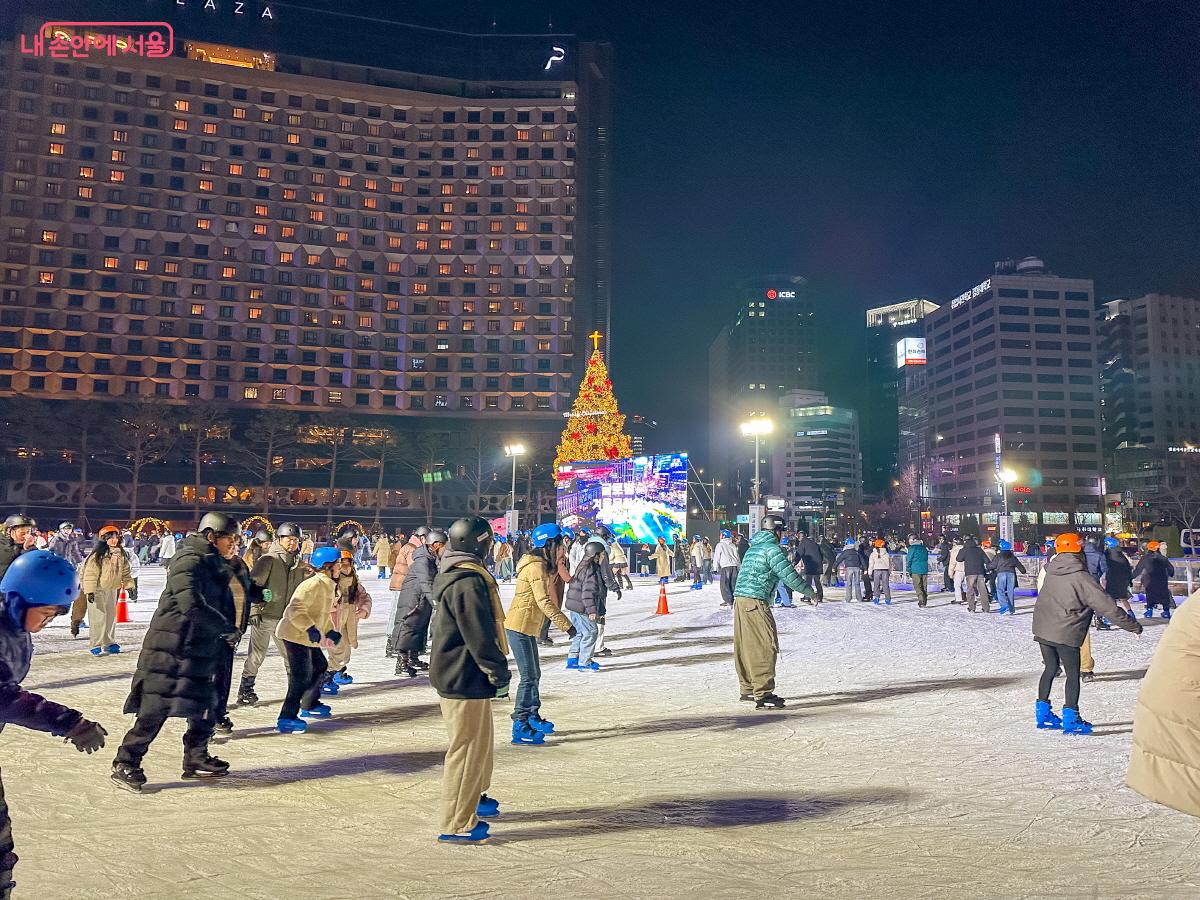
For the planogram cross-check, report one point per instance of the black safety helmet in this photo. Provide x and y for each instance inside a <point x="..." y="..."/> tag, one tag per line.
<point x="472" y="535"/>
<point x="18" y="520"/>
<point x="288" y="529"/>
<point x="593" y="548"/>
<point x="436" y="536"/>
<point x="771" y="522"/>
<point x="218" y="523"/>
<point x="262" y="535"/>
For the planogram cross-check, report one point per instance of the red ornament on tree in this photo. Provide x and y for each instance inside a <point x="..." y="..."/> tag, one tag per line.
<point x="575" y="435"/>
<point x="591" y="427"/>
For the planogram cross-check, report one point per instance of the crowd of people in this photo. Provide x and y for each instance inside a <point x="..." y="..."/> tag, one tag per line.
<point x="307" y="598"/>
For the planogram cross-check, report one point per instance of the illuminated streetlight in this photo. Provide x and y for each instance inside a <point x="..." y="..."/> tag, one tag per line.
<point x="513" y="451"/>
<point x="757" y="427"/>
<point x="1008" y="476"/>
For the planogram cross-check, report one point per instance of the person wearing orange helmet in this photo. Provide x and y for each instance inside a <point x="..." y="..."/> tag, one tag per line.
<point x="104" y="574"/>
<point x="879" y="568"/>
<point x="1156" y="572"/>
<point x="1066" y="601"/>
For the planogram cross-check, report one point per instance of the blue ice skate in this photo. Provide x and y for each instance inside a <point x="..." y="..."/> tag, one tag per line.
<point x="593" y="666"/>
<point x="1149" y="614"/>
<point x="1073" y="724"/>
<point x="524" y="733"/>
<point x="342" y="677"/>
<point x="320" y="711"/>
<point x="291" y="726"/>
<point x="330" y="687"/>
<point x="876" y="601"/>
<point x="476" y="835"/>
<point x="113" y="648"/>
<point x="572" y="662"/>
<point x="488" y="807"/>
<point x="1045" y="715"/>
<point x="96" y="651"/>
<point x="545" y="726"/>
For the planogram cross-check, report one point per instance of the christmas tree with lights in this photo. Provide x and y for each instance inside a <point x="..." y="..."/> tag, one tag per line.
<point x="595" y="427"/>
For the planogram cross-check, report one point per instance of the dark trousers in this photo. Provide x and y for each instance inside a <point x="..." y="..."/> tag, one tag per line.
<point x="830" y="574"/>
<point x="1054" y="655"/>
<point x="306" y="672"/>
<point x="728" y="580"/>
<point x="544" y="632"/>
<point x="813" y="579"/>
<point x="224" y="681"/>
<point x="528" y="700"/>
<point x="8" y="859"/>
<point x="622" y="572"/>
<point x="146" y="728"/>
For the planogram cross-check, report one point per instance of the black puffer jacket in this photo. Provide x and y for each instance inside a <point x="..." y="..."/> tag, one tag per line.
<point x="810" y="556"/>
<point x="8" y="552"/>
<point x="587" y="593"/>
<point x="17" y="705"/>
<point x="1119" y="577"/>
<point x="974" y="560"/>
<point x="183" y="651"/>
<point x="1005" y="561"/>
<point x="414" y="605"/>
<point x="1156" y="573"/>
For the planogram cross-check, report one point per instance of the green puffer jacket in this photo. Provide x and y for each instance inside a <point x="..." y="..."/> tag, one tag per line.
<point x="764" y="566"/>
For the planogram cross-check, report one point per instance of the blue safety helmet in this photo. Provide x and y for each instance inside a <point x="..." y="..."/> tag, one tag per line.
<point x="543" y="534"/>
<point x="1006" y="545"/>
<point x="1111" y="543"/>
<point x="567" y="532"/>
<point x="500" y="539"/>
<point x="784" y="540"/>
<point x="38" y="578"/>
<point x="850" y="542"/>
<point x="323" y="556"/>
<point x="726" y="533"/>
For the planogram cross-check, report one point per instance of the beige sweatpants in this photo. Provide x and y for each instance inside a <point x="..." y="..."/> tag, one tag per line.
<point x="468" y="768"/>
<point x="339" y="655"/>
<point x="755" y="646"/>
<point x="102" y="619"/>
<point x="1086" y="662"/>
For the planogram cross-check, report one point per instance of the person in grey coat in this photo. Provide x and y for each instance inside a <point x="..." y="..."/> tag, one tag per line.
<point x="66" y="543"/>
<point x="852" y="558"/>
<point x="1065" y="604"/>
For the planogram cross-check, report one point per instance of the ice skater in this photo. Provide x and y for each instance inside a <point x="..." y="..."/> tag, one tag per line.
<point x="1006" y="566"/>
<point x="468" y="666"/>
<point x="586" y="600"/>
<point x="276" y="575"/>
<point x="306" y="624"/>
<point x="37" y="587"/>
<point x="178" y="670"/>
<point x="105" y="573"/>
<point x="1062" y="614"/>
<point x="1118" y="579"/>
<point x="879" y="569"/>
<point x="400" y="563"/>
<point x="1156" y="572"/>
<point x="726" y="561"/>
<point x="352" y="605"/>
<point x="414" y="604"/>
<point x="851" y="558"/>
<point x="755" y="637"/>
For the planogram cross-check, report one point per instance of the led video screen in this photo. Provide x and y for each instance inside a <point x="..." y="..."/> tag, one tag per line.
<point x="640" y="499"/>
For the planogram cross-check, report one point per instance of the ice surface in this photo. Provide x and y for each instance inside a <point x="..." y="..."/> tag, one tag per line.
<point x="905" y="766"/>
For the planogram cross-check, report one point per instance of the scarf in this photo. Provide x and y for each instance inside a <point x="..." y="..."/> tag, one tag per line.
<point x="494" y="593"/>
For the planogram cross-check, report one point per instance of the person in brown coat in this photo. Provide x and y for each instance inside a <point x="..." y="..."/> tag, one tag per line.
<point x="103" y="575"/>
<point x="1165" y="763"/>
<point x="556" y="586"/>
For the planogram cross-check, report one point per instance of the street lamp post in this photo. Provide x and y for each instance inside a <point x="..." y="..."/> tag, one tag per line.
<point x="513" y="451"/>
<point x="757" y="427"/>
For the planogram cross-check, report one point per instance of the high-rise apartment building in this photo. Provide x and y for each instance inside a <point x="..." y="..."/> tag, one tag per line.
<point x="767" y="349"/>
<point x="415" y="224"/>
<point x="1015" y="356"/>
<point x="886" y="327"/>
<point x="816" y="460"/>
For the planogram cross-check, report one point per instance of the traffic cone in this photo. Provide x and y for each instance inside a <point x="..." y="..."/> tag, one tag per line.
<point x="122" y="607"/>
<point x="662" y="601"/>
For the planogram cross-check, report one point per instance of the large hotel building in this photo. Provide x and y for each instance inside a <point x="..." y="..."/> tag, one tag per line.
<point x="413" y="224"/>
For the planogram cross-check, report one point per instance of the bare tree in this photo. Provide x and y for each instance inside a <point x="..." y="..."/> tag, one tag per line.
<point x="201" y="426"/>
<point x="335" y="432"/>
<point x="382" y="452"/>
<point x="90" y="428"/>
<point x="260" y="452"/>
<point x="1179" y="497"/>
<point x="143" y="432"/>
<point x="475" y="462"/>
<point x="424" y="454"/>
<point x="31" y="429"/>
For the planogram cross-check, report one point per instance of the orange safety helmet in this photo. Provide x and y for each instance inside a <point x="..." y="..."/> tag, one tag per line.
<point x="346" y="554"/>
<point x="1068" y="542"/>
<point x="877" y="543"/>
<point x="1153" y="546"/>
<point x="987" y="542"/>
<point x="104" y="532"/>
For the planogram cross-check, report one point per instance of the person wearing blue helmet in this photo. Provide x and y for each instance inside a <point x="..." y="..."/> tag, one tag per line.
<point x="1118" y="577"/>
<point x="306" y="626"/>
<point x="183" y="653"/>
<point x="852" y="558"/>
<point x="37" y="586"/>
<point x="1006" y="566"/>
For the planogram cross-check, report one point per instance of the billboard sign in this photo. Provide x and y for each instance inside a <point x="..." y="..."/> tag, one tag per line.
<point x="640" y="499"/>
<point x="910" y="351"/>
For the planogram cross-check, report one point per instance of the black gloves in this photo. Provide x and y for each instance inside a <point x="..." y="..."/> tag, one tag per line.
<point x="88" y="737"/>
<point x="502" y="691"/>
<point x="618" y="595"/>
<point x="572" y="631"/>
<point x="335" y="636"/>
<point x="91" y="598"/>
<point x="232" y="638"/>
<point x="314" y="634"/>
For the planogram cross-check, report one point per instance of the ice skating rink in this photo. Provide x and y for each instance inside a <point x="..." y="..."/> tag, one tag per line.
<point x="905" y="766"/>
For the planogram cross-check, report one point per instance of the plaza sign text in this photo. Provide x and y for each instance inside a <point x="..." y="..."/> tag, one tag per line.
<point x="968" y="296"/>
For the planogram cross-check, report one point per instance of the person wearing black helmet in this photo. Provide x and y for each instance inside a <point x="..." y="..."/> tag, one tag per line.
<point x="275" y="576"/>
<point x="755" y="637"/>
<point x="17" y="538"/>
<point x="414" y="605"/>
<point x="400" y="564"/>
<point x="258" y="544"/>
<point x="468" y="667"/>
<point x="184" y="648"/>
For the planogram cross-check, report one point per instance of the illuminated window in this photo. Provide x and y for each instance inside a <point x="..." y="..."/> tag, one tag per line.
<point x="547" y="134"/>
<point x="259" y="229"/>
<point x="493" y="307"/>
<point x="494" y="270"/>
<point x="287" y="257"/>
<point x="117" y="156"/>
<point x="266" y="115"/>
<point x="420" y="288"/>
<point x="366" y="284"/>
<point x="49" y="237"/>
<point x="522" y="226"/>
<point x="120" y="137"/>
<point x="260" y="209"/>
<point x="239" y="112"/>
<point x="206" y="184"/>
<point x="394" y="243"/>
<point x="523" y="208"/>
<point x="182" y="105"/>
<point x="87" y="172"/>
<point x="57" y="149"/>
<point x="170" y="268"/>
<point x="197" y="309"/>
<point x="180" y="124"/>
<point x="422" y="226"/>
<point x="316" y="215"/>
<point x="279" y="394"/>
<point x="141" y="265"/>
<point x="335" y="396"/>
<point x="471" y="190"/>
<point x="443" y="325"/>
<point x="204" y="224"/>
<point x="290" y="194"/>
<point x="445" y="225"/>
<point x="318" y="178"/>
<point x="393" y="267"/>
<point x="447" y="190"/>
<point x="343" y="181"/>
<point x="110" y="262"/>
<point x="117" y="175"/>
<point x="422" y="245"/>
<point x="58" y="127"/>
<point x="293" y="119"/>
<point x="468" y="325"/>
<point x="518" y="326"/>
<point x="312" y="259"/>
<point x="208" y="127"/>
<point x="262" y="172"/>
<point x="472" y="153"/>
<point x="522" y="134"/>
<point x="341" y="237"/>
<point x="293" y="138"/>
<point x="250" y="393"/>
<point x="469" y="269"/>
<point x="493" y="288"/>
<point x="495" y="244"/>
<point x="496" y="227"/>
<point x="395" y="187"/>
<point x="256" y="293"/>
<point x="443" y="268"/>
<point x="255" y="312"/>
<point x="341" y="262"/>
<point x="445" y="244"/>
<point x="337" y="320"/>
<point x="370" y="203"/>
<point x="448" y="208"/>
<point x="364" y="321"/>
<point x="497" y="171"/>
<point x="518" y="307"/>
<point x="239" y="168"/>
<point x="371" y="184"/>
<point x="228" y="271"/>
<point x="45" y="278"/>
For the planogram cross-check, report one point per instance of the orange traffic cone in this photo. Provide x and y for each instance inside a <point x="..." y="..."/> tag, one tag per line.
<point x="122" y="607"/>
<point x="662" y="601"/>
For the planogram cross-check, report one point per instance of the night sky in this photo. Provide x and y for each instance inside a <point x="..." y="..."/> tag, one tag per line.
<point x="883" y="150"/>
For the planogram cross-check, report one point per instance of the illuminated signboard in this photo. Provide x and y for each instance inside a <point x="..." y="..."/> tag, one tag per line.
<point x="1021" y="489"/>
<point x="773" y="294"/>
<point x="968" y="296"/>
<point x="910" y="351"/>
